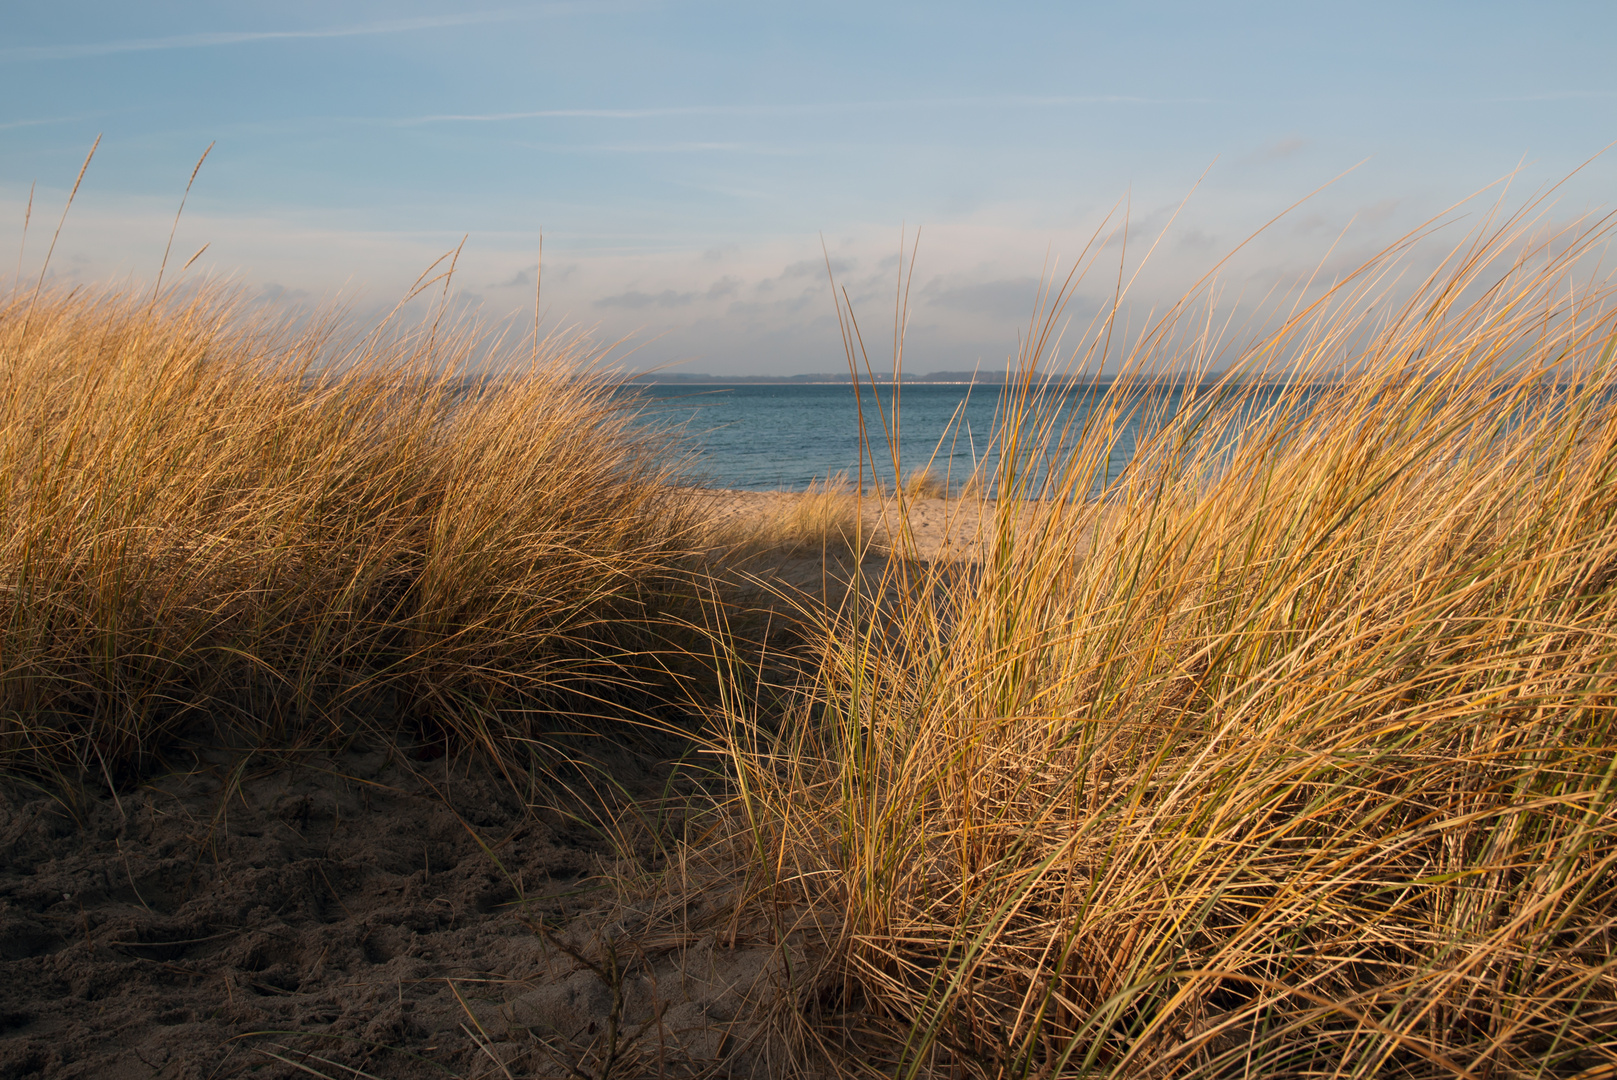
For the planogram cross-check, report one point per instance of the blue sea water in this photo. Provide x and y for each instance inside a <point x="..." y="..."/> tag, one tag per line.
<point x="762" y="436"/>
<point x="788" y="436"/>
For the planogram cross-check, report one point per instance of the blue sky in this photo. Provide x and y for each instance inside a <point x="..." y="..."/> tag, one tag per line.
<point x="685" y="159"/>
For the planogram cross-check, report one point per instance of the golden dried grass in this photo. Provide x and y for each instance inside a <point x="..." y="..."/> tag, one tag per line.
<point x="1294" y="757"/>
<point x="1305" y="768"/>
<point x="925" y="483"/>
<point x="827" y="520"/>
<point x="209" y="518"/>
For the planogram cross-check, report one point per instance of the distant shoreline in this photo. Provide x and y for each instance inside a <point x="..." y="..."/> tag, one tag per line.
<point x="937" y="378"/>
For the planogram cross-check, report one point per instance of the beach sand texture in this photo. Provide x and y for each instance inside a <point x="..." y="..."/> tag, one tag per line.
<point x="389" y="904"/>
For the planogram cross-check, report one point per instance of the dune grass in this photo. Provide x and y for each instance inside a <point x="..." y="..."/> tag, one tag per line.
<point x="1293" y="755"/>
<point x="925" y="483"/>
<point x="827" y="520"/>
<point x="1304" y="768"/>
<point x="212" y="521"/>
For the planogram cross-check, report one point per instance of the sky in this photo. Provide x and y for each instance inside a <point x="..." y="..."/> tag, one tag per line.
<point x="691" y="166"/>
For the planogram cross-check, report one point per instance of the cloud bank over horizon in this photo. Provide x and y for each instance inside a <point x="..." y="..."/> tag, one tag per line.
<point x="693" y="166"/>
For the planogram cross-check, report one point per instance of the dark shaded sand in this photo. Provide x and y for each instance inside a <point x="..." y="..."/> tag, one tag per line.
<point x="281" y="916"/>
<point x="354" y="912"/>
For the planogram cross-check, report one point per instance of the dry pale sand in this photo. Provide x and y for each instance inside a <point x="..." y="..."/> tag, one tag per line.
<point x="929" y="529"/>
<point x="938" y="527"/>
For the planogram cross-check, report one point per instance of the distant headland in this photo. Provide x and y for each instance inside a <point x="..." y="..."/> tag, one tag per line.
<point x="827" y="377"/>
<point x="935" y="378"/>
<point x="938" y="378"/>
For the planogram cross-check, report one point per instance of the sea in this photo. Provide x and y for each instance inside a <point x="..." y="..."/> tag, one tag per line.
<point x="787" y="437"/>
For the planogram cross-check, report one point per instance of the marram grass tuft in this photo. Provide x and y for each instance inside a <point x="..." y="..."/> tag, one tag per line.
<point x="1295" y="754"/>
<point x="210" y="521"/>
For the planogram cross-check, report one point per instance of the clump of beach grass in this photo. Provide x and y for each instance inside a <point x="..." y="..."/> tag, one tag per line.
<point x="827" y="517"/>
<point x="1294" y="755"/>
<point x="213" y="519"/>
<point x="826" y="520"/>
<point x="925" y="483"/>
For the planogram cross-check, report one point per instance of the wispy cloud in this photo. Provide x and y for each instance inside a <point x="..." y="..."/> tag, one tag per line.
<point x="635" y="300"/>
<point x="7" y="125"/>
<point x="1562" y="95"/>
<point x="801" y="109"/>
<point x="1006" y="298"/>
<point x="1279" y="150"/>
<point x="242" y="37"/>
<point x="670" y="148"/>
